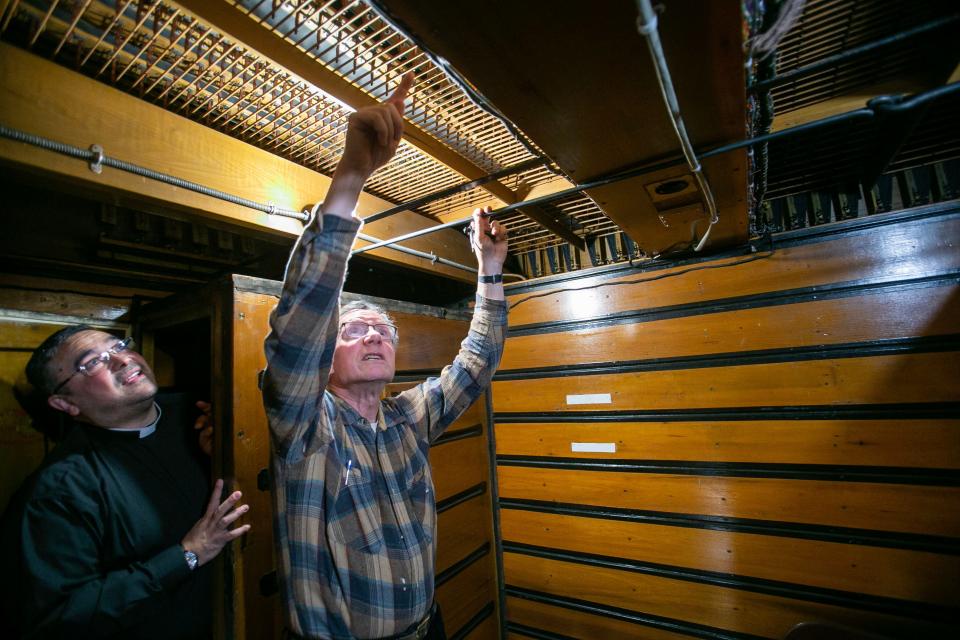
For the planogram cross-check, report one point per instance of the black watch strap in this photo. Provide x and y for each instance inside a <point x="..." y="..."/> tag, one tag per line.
<point x="494" y="279"/>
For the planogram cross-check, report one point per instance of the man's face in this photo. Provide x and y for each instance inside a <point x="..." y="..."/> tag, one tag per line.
<point x="122" y="385"/>
<point x="371" y="358"/>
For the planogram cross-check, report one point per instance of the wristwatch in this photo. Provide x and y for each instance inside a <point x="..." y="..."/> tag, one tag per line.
<point x="191" y="558"/>
<point x="492" y="279"/>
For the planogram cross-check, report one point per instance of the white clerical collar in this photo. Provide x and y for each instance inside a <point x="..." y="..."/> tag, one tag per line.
<point x="147" y="430"/>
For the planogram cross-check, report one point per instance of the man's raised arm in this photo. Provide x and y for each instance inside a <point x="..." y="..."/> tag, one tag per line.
<point x="436" y="403"/>
<point x="303" y="333"/>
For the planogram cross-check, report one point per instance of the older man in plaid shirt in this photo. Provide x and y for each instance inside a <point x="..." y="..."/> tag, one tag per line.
<point x="355" y="514"/>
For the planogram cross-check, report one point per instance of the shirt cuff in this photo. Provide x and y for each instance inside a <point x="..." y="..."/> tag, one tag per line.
<point x="169" y="567"/>
<point x="336" y="224"/>
<point x="497" y="308"/>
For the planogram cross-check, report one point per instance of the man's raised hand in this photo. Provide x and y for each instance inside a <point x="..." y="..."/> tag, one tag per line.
<point x="374" y="133"/>
<point x="488" y="239"/>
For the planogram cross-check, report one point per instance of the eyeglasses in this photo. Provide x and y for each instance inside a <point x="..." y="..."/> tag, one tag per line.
<point x="356" y="329"/>
<point x="96" y="363"/>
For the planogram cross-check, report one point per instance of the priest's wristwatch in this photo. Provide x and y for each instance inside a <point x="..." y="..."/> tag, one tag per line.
<point x="191" y="558"/>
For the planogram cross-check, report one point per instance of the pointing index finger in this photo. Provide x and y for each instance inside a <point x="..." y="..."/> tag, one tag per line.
<point x="400" y="93"/>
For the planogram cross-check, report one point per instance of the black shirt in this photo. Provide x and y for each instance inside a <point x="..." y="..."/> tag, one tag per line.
<point x="93" y="537"/>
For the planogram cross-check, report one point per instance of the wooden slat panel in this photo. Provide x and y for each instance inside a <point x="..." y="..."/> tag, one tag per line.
<point x="926" y="377"/>
<point x="726" y="608"/>
<point x="894" y="573"/>
<point x="885" y="507"/>
<point x="98" y="302"/>
<point x="459" y="465"/>
<point x="464" y="595"/>
<point x="574" y="624"/>
<point x="898" y="443"/>
<point x="427" y="342"/>
<point x="461" y="530"/>
<point x="927" y="311"/>
<point x="892" y="252"/>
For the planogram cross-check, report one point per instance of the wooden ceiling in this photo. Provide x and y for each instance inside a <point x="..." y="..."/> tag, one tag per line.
<point x="567" y="88"/>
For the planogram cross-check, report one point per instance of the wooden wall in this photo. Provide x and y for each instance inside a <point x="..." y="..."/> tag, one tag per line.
<point x="780" y="440"/>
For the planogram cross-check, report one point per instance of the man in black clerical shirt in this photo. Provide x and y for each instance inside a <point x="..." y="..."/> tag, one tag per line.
<point x="110" y="537"/>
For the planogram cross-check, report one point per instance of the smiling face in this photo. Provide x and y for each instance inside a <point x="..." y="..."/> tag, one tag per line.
<point x="119" y="393"/>
<point x="370" y="359"/>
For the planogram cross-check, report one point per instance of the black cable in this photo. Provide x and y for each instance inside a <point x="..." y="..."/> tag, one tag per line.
<point x="756" y="256"/>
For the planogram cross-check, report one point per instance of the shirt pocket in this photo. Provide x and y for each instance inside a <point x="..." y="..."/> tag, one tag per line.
<point x="354" y="523"/>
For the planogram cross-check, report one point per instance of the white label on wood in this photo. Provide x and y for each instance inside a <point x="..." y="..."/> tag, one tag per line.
<point x="593" y="447"/>
<point x="589" y="398"/>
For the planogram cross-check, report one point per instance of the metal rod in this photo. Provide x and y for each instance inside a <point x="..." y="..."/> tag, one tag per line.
<point x="95" y="158"/>
<point x="853" y="53"/>
<point x="647" y="26"/>
<point x="865" y="113"/>
<point x="455" y="189"/>
<point x="420" y="254"/>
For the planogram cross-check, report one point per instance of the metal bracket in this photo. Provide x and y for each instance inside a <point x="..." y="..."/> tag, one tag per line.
<point x="96" y="162"/>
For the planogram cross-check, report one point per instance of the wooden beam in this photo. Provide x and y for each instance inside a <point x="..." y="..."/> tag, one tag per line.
<point x="47" y="100"/>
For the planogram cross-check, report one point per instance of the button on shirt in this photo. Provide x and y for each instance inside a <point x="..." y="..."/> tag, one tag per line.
<point x="355" y="513"/>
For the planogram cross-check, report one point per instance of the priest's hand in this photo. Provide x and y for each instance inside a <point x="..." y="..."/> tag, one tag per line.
<point x="212" y="532"/>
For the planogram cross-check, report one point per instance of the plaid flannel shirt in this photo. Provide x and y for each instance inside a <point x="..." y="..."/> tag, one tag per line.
<point x="354" y="509"/>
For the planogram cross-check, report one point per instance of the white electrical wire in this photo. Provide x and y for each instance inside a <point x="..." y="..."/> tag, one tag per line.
<point x="647" y="27"/>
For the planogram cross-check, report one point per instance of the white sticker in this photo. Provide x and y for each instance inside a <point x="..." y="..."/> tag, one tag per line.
<point x="593" y="447"/>
<point x="590" y="398"/>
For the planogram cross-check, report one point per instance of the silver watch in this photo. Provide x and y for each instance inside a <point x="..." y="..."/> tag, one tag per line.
<point x="191" y="558"/>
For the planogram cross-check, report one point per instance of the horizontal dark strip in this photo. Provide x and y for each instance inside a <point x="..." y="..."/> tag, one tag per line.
<point x="832" y="291"/>
<point x="821" y="533"/>
<point x="462" y="564"/>
<point x="459" y="434"/>
<point x="820" y="472"/>
<point x="833" y="597"/>
<point x="625" y="615"/>
<point x="415" y="375"/>
<point x="871" y="348"/>
<point x="812" y="235"/>
<point x="474" y="622"/>
<point x="463" y="496"/>
<point x="892" y="411"/>
<point x="530" y="632"/>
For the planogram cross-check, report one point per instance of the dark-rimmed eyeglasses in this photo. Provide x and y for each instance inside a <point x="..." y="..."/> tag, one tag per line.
<point x="356" y="329"/>
<point x="95" y="363"/>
